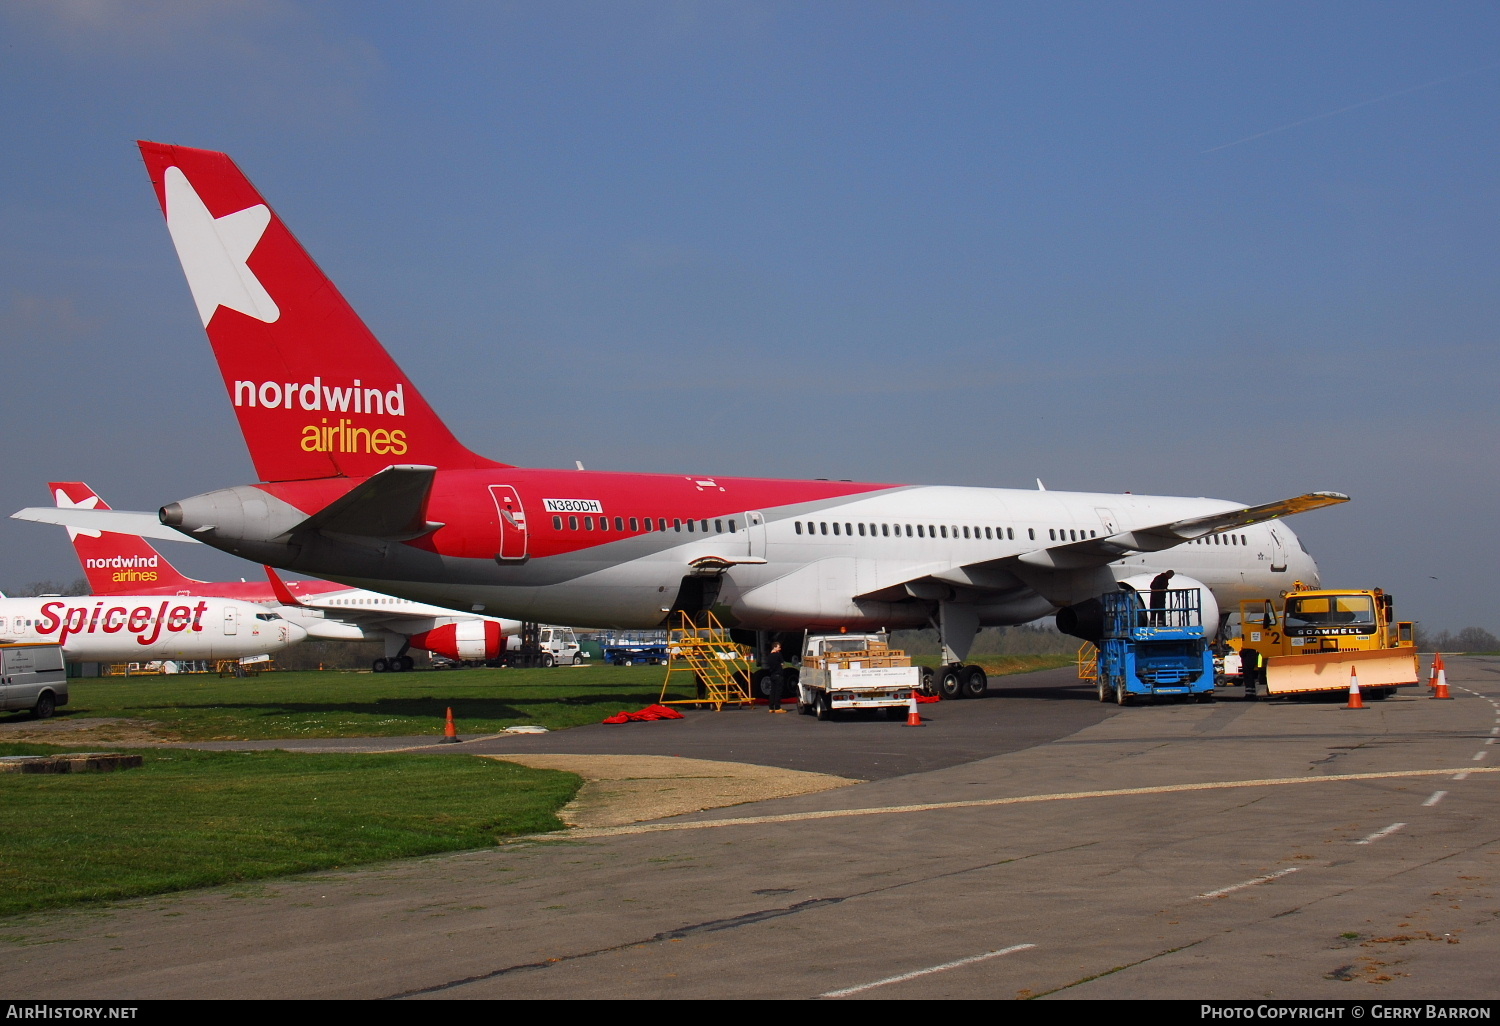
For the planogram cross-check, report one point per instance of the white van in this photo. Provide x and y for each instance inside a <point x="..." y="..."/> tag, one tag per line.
<point x="33" y="677"/>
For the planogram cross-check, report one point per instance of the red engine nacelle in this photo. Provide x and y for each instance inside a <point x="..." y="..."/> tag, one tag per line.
<point x="472" y="640"/>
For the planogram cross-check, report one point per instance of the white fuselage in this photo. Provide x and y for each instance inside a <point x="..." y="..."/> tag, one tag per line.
<point x="130" y="628"/>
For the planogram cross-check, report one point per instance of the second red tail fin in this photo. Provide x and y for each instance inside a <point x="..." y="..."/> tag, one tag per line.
<point x="115" y="564"/>
<point x="315" y="392"/>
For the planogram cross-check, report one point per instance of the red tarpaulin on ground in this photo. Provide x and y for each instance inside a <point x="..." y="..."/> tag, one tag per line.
<point x="651" y="712"/>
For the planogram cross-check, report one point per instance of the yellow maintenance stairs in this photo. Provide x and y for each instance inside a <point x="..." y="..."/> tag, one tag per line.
<point x="719" y="670"/>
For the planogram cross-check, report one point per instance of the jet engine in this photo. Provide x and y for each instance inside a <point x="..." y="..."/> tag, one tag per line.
<point x="1086" y="619"/>
<point x="469" y="641"/>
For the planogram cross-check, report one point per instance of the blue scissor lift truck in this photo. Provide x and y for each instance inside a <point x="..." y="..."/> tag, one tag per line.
<point x="1155" y="650"/>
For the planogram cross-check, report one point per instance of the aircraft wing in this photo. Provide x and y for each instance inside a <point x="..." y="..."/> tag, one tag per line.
<point x="1070" y="559"/>
<point x="117" y="521"/>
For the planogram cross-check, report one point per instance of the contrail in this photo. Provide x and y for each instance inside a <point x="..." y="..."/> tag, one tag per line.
<point x="1345" y="110"/>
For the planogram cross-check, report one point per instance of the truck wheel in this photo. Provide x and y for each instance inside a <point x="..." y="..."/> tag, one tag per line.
<point x="45" y="706"/>
<point x="1105" y="694"/>
<point x="928" y="687"/>
<point x="547" y="661"/>
<point x="950" y="685"/>
<point x="822" y="707"/>
<point x="1122" y="697"/>
<point x="976" y="682"/>
<point x="627" y="662"/>
<point x="1204" y="698"/>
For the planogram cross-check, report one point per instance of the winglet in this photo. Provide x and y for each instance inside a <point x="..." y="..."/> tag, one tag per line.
<point x="279" y="589"/>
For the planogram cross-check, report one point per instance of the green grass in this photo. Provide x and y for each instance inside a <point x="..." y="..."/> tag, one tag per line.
<point x="194" y="819"/>
<point x="204" y="707"/>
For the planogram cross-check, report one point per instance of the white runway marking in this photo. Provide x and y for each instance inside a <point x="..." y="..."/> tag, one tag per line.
<point x="981" y="803"/>
<point x="924" y="972"/>
<point x="1248" y="883"/>
<point x="1463" y="775"/>
<point x="1377" y="835"/>
<point x="1437" y="796"/>
<point x="1478" y="756"/>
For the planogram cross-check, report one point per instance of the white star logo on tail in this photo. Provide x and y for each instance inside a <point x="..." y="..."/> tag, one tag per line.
<point x="63" y="502"/>
<point x="213" y="251"/>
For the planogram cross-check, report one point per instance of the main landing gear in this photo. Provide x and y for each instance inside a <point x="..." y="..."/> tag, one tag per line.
<point x="959" y="681"/>
<point x="395" y="664"/>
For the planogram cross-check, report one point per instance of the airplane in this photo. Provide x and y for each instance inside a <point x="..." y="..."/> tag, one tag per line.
<point x="361" y="482"/>
<point x="138" y="628"/>
<point x="119" y="563"/>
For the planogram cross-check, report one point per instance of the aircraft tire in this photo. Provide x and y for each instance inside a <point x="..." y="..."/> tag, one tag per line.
<point x="950" y="685"/>
<point x="408" y="664"/>
<point x="976" y="682"/>
<point x="380" y="666"/>
<point x="46" y="705"/>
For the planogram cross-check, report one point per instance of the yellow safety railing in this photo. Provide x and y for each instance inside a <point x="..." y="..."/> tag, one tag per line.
<point x="1088" y="662"/>
<point x="702" y="649"/>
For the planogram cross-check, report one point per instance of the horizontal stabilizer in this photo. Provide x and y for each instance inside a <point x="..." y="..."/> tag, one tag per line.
<point x="391" y="506"/>
<point x="118" y="521"/>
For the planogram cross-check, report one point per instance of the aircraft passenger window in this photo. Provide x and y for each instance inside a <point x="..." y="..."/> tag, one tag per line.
<point x="849" y="530"/>
<point x="835" y="527"/>
<point x="885" y="530"/>
<point x="704" y="525"/>
<point x="557" y="523"/>
<point x="798" y="526"/>
<point x="572" y="523"/>
<point x="635" y="524"/>
<point x="620" y="524"/>
<point x="661" y="523"/>
<point x="690" y="527"/>
<point x="731" y="526"/>
<point x="822" y="527"/>
<point x="919" y="532"/>
<point x="1051" y="534"/>
<point x="861" y="530"/>
<point x="718" y="527"/>
<point x="677" y="525"/>
<point x="1243" y="541"/>
<point x="588" y="523"/>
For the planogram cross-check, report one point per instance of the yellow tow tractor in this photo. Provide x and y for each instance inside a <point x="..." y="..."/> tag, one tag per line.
<point x="1310" y="640"/>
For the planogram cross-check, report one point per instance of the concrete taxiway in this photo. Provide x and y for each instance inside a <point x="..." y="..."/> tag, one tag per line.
<point x="1234" y="850"/>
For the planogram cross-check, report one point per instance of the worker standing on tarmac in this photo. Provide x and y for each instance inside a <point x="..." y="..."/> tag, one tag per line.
<point x="774" y="678"/>
<point x="1159" y="585"/>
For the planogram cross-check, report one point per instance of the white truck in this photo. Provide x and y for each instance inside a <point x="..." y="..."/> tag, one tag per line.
<point x="855" y="671"/>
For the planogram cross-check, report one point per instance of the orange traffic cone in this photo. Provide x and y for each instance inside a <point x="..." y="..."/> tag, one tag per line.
<point x="913" y="718"/>
<point x="1355" y="702"/>
<point x="450" y="732"/>
<point x="1440" y="689"/>
<point x="1437" y="660"/>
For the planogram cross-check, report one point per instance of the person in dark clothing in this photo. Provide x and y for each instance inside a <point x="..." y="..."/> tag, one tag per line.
<point x="1159" y="585"/>
<point x="774" y="679"/>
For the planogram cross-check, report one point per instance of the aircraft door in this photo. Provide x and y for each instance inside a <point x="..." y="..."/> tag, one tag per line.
<point x="231" y="621"/>
<point x="1107" y="518"/>
<point x="755" y="532"/>
<point x="1278" y="552"/>
<point x="512" y="524"/>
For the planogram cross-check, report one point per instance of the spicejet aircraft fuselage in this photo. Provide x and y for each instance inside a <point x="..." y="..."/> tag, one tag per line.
<point x="363" y="483"/>
<point x="132" y="628"/>
<point x="117" y="564"/>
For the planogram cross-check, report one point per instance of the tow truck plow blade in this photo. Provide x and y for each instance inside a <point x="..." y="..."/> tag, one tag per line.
<point x="1377" y="669"/>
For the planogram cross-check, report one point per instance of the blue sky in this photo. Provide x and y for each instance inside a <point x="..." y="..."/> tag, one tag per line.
<point x="1239" y="250"/>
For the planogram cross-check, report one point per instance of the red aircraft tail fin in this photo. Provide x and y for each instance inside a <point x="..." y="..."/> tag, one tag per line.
<point x="115" y="564"/>
<point x="315" y="392"/>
